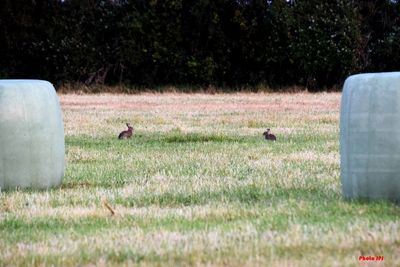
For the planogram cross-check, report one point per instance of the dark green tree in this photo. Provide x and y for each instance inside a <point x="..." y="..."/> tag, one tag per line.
<point x="379" y="48"/>
<point x="203" y="42"/>
<point x="324" y="42"/>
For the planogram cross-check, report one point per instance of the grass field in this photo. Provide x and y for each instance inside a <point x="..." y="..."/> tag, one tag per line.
<point x="198" y="185"/>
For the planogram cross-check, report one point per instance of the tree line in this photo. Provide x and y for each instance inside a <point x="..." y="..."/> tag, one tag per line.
<point x="227" y="43"/>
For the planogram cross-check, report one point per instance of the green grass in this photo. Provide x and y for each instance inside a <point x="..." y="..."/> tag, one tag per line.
<point x="198" y="188"/>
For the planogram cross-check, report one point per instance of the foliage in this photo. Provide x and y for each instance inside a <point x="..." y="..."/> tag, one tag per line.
<point x="380" y="43"/>
<point x="324" y="42"/>
<point x="206" y="43"/>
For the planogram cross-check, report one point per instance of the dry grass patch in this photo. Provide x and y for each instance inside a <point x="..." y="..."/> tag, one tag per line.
<point x="198" y="185"/>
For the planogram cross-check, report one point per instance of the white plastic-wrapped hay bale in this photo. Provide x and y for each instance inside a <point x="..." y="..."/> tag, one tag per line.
<point x="31" y="135"/>
<point x="370" y="136"/>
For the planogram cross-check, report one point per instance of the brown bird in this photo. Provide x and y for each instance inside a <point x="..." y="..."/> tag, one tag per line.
<point x="269" y="136"/>
<point x="126" y="134"/>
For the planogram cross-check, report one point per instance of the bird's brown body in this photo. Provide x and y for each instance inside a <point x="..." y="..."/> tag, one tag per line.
<point x="126" y="134"/>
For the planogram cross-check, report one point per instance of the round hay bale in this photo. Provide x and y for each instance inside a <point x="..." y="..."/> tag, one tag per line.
<point x="31" y="135"/>
<point x="370" y="136"/>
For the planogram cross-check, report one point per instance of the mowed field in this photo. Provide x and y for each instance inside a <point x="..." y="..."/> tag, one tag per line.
<point x="198" y="185"/>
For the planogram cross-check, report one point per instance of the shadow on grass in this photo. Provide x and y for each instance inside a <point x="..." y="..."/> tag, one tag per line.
<point x="246" y="195"/>
<point x="196" y="137"/>
<point x="153" y="139"/>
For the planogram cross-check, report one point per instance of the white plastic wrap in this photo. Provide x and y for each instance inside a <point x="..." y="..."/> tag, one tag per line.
<point x="370" y="136"/>
<point x="31" y="135"/>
